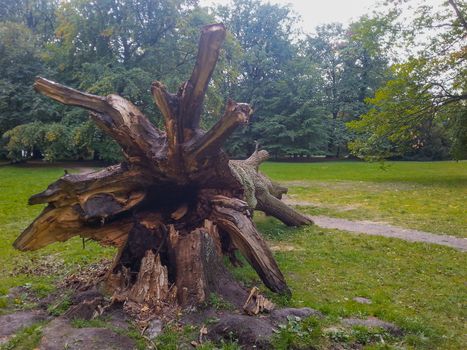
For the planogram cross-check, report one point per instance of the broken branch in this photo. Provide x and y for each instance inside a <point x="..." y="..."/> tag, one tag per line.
<point x="212" y="37"/>
<point x="211" y="142"/>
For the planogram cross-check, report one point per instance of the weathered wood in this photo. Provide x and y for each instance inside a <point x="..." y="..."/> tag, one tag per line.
<point x="256" y="158"/>
<point x="60" y="224"/>
<point x="237" y="223"/>
<point x="211" y="142"/>
<point x="257" y="303"/>
<point x="116" y="116"/>
<point x="187" y="252"/>
<point x="152" y="284"/>
<point x="81" y="204"/>
<point x="194" y="90"/>
<point x="175" y="205"/>
<point x="274" y="207"/>
<point x="262" y="194"/>
<point x="168" y="104"/>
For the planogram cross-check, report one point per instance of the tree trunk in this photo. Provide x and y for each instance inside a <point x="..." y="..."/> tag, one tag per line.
<point x="176" y="203"/>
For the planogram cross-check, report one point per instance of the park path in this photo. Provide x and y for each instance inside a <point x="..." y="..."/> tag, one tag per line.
<point x="371" y="228"/>
<point x="377" y="229"/>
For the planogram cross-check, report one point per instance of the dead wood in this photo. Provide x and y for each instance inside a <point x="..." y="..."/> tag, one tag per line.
<point x="175" y="204"/>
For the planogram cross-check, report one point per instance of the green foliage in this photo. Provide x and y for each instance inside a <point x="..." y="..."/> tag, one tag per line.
<point x="299" y="334"/>
<point x="56" y="141"/>
<point x="352" y="66"/>
<point x="305" y="89"/>
<point x="19" y="63"/>
<point x="421" y="110"/>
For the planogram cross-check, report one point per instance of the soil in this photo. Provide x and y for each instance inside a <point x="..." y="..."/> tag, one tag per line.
<point x="251" y="332"/>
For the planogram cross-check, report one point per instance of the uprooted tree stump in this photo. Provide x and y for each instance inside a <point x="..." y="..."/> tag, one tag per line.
<point x="176" y="204"/>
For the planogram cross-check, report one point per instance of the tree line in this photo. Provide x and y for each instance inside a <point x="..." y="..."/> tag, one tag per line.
<point x="371" y="89"/>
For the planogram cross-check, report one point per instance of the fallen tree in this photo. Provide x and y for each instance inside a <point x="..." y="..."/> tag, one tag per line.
<point x="176" y="204"/>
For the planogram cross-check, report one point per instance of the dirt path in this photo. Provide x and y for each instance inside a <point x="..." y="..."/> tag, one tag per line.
<point x="377" y="229"/>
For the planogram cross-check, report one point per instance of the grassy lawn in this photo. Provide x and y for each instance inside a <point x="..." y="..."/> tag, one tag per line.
<point x="17" y="184"/>
<point x="429" y="196"/>
<point x="421" y="288"/>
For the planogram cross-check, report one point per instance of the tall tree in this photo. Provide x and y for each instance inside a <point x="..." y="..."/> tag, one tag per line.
<point x="265" y="34"/>
<point x="37" y="15"/>
<point x="352" y="65"/>
<point x="426" y="99"/>
<point x="20" y="62"/>
<point x="324" y="48"/>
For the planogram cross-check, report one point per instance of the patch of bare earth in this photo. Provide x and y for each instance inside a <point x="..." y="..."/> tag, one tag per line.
<point x="370" y="227"/>
<point x="283" y="247"/>
<point x="379" y="229"/>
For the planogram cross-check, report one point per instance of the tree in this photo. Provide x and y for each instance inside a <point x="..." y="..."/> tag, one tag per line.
<point x="135" y="39"/>
<point x="352" y="66"/>
<point x="265" y="35"/>
<point x="294" y="122"/>
<point x="36" y="15"/>
<point x="425" y="102"/>
<point x="175" y="204"/>
<point x="19" y="64"/>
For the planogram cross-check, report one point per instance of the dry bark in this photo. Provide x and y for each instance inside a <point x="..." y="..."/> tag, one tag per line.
<point x="175" y="204"/>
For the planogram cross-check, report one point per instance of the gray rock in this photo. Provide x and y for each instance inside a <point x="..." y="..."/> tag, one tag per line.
<point x="12" y="323"/>
<point x="280" y="315"/>
<point x="59" y="335"/>
<point x="251" y="332"/>
<point x="373" y="322"/>
<point x="154" y="328"/>
<point x="362" y="300"/>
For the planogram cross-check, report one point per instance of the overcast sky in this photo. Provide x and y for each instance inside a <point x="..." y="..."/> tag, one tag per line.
<point x="315" y="12"/>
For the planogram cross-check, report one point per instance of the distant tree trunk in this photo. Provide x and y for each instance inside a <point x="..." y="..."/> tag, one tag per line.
<point x="176" y="203"/>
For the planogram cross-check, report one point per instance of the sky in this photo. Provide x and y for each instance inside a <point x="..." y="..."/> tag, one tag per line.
<point x="316" y="12"/>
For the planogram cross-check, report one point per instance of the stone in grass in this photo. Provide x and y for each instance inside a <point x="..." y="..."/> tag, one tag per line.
<point x="250" y="331"/>
<point x="281" y="315"/>
<point x="373" y="322"/>
<point x="154" y="328"/>
<point x="12" y="323"/>
<point x="362" y="300"/>
<point x="59" y="335"/>
<point x="254" y="332"/>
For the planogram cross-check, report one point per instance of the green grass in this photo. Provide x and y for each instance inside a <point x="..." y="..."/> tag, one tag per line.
<point x="446" y="174"/>
<point x="429" y="196"/>
<point x="17" y="268"/>
<point x="419" y="287"/>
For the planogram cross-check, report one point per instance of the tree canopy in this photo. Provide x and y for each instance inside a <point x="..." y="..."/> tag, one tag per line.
<point x="370" y="88"/>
